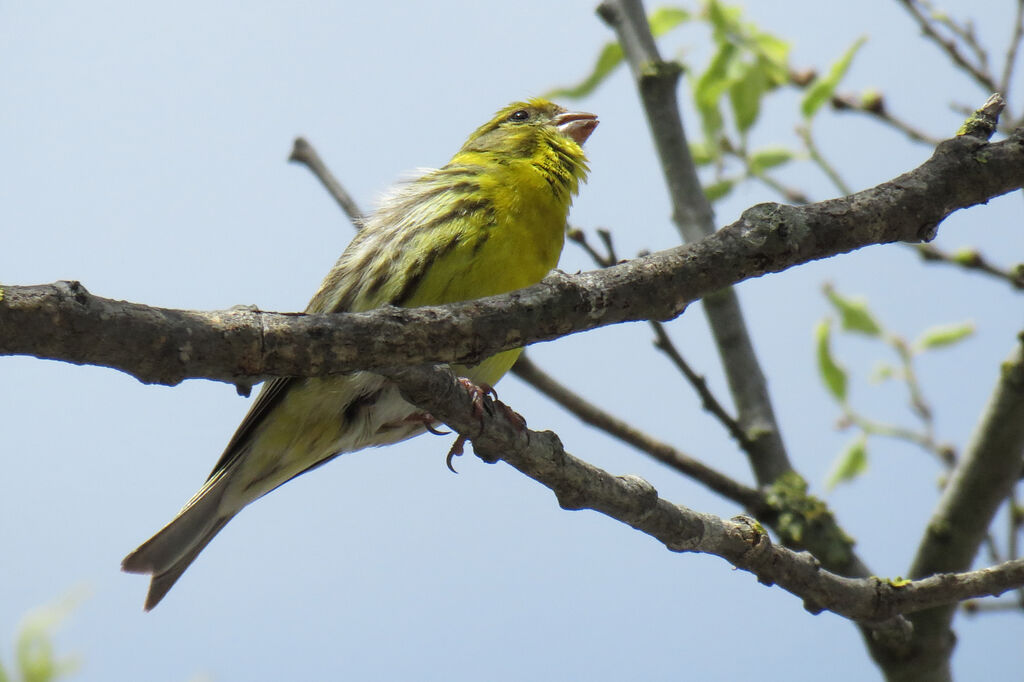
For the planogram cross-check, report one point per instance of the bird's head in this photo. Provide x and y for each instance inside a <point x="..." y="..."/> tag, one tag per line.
<point x="520" y="127"/>
<point x="540" y="132"/>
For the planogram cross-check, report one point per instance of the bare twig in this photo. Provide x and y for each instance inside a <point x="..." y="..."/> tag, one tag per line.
<point x="656" y="81"/>
<point x="304" y="153"/>
<point x="790" y="194"/>
<point x="804" y="131"/>
<point x="944" y="453"/>
<point x="605" y="260"/>
<point x="965" y="32"/>
<point x="1011" y="51"/>
<point x="972" y="260"/>
<point x="978" y="73"/>
<point x="664" y="343"/>
<point x="978" y="486"/>
<point x="875" y="107"/>
<point x="975" y="607"/>
<point x="751" y="499"/>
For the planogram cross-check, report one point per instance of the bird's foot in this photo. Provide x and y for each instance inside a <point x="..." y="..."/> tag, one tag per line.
<point x="478" y="392"/>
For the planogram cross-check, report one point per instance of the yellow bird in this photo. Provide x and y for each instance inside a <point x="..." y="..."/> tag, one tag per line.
<point x="490" y="221"/>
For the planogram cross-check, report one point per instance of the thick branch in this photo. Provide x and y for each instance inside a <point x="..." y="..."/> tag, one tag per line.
<point x="657" y="81"/>
<point x="633" y="501"/>
<point x="978" y="486"/>
<point x="158" y="345"/>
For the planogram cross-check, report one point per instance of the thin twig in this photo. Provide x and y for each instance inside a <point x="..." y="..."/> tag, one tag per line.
<point x="976" y="607"/>
<point x="656" y="82"/>
<point x="979" y="74"/>
<point x="964" y="32"/>
<point x="751" y="499"/>
<point x="972" y="260"/>
<point x="1013" y="524"/>
<point x="304" y="153"/>
<point x="1011" y="51"/>
<point x="945" y="453"/>
<point x="790" y="194"/>
<point x="875" y="107"/>
<point x="579" y="237"/>
<point x="812" y="149"/>
<point x="664" y="343"/>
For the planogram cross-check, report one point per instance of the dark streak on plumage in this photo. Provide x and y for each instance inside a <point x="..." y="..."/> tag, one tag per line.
<point x="419" y="269"/>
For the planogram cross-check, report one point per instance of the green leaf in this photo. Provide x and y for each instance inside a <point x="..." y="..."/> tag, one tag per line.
<point x="823" y="87"/>
<point x="769" y="157"/>
<point x="702" y="153"/>
<point x="832" y="375"/>
<point x="850" y="464"/>
<point x="724" y="19"/>
<point x="944" y="335"/>
<point x="36" y="659"/>
<point x="662" y="20"/>
<point x="853" y="313"/>
<point x="717" y="190"/>
<point x="710" y="87"/>
<point x="774" y="52"/>
<point x="745" y="95"/>
<point x="610" y="57"/>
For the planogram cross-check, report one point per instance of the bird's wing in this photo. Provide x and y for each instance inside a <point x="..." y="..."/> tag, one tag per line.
<point x="270" y="395"/>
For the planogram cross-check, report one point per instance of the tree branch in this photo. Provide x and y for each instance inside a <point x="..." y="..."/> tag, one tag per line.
<point x="752" y="500"/>
<point x="979" y="74"/>
<point x="304" y="153"/>
<point x="978" y="486"/>
<point x="631" y="500"/>
<point x="157" y="345"/>
<point x="692" y="213"/>
<point x="1011" y="50"/>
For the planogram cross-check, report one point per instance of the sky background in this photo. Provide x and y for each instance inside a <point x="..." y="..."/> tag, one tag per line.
<point x="143" y="152"/>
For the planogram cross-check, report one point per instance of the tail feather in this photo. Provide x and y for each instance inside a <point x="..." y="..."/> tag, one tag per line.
<point x="163" y="581"/>
<point x="167" y="554"/>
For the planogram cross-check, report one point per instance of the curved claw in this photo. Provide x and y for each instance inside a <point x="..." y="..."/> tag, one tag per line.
<point x="455" y="451"/>
<point x="436" y="432"/>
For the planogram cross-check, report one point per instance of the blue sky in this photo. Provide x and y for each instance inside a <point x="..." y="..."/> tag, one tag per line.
<point x="143" y="153"/>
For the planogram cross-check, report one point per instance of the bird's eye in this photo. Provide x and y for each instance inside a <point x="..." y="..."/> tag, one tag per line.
<point x="519" y="116"/>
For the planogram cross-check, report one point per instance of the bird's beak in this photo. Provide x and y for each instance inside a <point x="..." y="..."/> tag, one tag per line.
<point x="576" y="124"/>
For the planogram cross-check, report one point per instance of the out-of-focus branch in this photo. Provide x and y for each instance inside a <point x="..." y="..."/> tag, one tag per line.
<point x="752" y="500"/>
<point x="656" y="81"/>
<point x="875" y="107"/>
<point x="975" y="71"/>
<point x="972" y="260"/>
<point x="804" y="131"/>
<point x="1012" y="50"/>
<point x="978" y="486"/>
<point x="304" y="153"/>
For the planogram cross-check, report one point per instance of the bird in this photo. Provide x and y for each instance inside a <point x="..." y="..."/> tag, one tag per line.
<point x="490" y="221"/>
